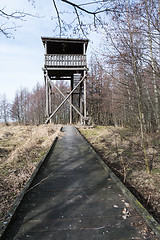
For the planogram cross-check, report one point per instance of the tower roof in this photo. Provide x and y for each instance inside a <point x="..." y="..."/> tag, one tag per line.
<point x="69" y="40"/>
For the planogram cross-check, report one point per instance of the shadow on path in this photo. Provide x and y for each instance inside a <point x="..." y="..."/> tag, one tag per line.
<point x="77" y="200"/>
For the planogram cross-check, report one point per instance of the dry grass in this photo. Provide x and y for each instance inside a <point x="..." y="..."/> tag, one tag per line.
<point x="120" y="148"/>
<point x="21" y="147"/>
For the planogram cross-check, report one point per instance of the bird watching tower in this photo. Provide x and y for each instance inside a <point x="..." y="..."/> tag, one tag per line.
<point x="65" y="59"/>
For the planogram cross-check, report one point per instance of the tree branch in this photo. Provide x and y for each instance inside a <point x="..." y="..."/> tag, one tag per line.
<point x="16" y="15"/>
<point x="89" y="3"/>
<point x="79" y="21"/>
<point x="59" y="19"/>
<point x="84" y="10"/>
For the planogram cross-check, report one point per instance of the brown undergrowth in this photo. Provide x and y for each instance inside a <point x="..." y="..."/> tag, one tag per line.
<point x="21" y="148"/>
<point x="121" y="149"/>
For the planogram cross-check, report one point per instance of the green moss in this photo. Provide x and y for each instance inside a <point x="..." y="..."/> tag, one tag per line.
<point x="4" y="170"/>
<point x="90" y="132"/>
<point x="156" y="170"/>
<point x="100" y="127"/>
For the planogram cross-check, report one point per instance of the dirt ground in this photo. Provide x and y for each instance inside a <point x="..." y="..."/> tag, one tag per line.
<point x="121" y="149"/>
<point x="21" y="148"/>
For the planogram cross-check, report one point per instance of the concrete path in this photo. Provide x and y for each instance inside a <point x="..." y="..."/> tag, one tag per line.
<point x="75" y="199"/>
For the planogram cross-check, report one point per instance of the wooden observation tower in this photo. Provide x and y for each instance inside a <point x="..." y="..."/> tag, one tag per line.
<point x="65" y="59"/>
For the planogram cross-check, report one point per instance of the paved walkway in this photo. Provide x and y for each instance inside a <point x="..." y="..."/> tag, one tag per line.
<point x="76" y="199"/>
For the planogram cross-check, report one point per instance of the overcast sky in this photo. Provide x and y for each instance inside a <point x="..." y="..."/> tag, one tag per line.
<point x="22" y="58"/>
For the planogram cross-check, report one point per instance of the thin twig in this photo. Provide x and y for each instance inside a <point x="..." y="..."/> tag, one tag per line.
<point x="79" y="21"/>
<point x="40" y="182"/>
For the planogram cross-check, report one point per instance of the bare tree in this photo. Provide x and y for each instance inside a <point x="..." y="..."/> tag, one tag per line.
<point x="99" y="93"/>
<point x="36" y="110"/>
<point x="4" y="109"/>
<point x="84" y="16"/>
<point x="28" y="107"/>
<point x="9" y="20"/>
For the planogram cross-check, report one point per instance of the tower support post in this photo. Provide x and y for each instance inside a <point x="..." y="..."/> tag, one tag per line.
<point x="47" y="99"/>
<point x="71" y="101"/>
<point x="85" y="99"/>
<point x="50" y="100"/>
<point x="81" y="103"/>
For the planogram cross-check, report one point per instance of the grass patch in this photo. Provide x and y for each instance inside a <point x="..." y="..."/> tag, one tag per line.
<point x="21" y="148"/>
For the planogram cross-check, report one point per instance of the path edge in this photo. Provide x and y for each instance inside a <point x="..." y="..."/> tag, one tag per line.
<point x="151" y="222"/>
<point x="11" y="214"/>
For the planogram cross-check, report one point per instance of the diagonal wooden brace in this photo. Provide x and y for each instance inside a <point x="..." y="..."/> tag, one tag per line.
<point x="69" y="102"/>
<point x="65" y="99"/>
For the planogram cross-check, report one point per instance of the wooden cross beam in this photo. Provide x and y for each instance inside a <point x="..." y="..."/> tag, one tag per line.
<point x="69" y="101"/>
<point x="66" y="98"/>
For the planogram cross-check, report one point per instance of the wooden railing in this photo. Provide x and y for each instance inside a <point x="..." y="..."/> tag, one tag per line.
<point x="65" y="60"/>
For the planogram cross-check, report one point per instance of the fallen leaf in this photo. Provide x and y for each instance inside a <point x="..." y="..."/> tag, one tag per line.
<point x="127" y="204"/>
<point x="115" y="206"/>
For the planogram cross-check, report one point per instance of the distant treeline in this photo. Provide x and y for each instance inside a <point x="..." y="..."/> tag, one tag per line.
<point x="26" y="108"/>
<point x="29" y="107"/>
